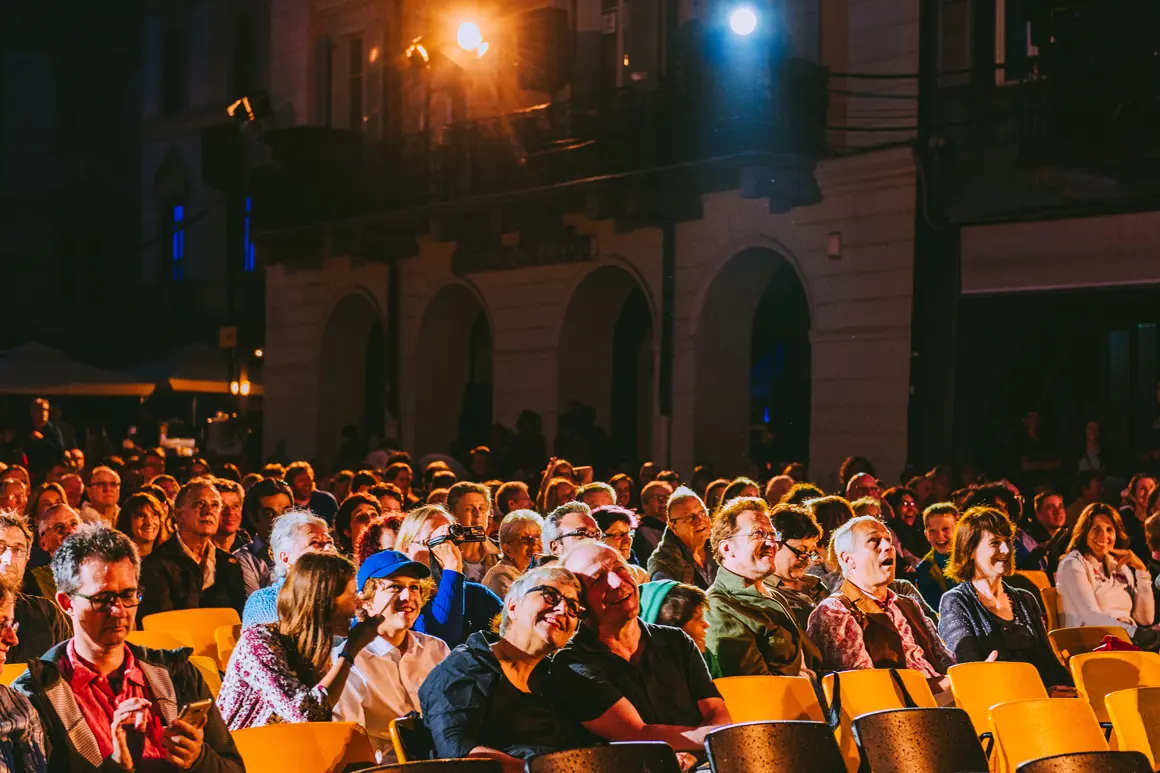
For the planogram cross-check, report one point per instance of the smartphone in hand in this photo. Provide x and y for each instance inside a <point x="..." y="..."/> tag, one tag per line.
<point x="196" y="713"/>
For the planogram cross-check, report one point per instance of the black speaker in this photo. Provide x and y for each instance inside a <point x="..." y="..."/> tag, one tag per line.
<point x="223" y="156"/>
<point x="544" y="43"/>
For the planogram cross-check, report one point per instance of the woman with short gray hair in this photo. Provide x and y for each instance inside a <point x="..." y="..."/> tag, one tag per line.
<point x="519" y="539"/>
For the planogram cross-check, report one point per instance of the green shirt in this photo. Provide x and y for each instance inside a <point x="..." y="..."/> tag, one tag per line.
<point x="751" y="633"/>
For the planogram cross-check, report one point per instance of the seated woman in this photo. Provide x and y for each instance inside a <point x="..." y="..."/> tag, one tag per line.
<point x="21" y="734"/>
<point x="140" y="518"/>
<point x="283" y="672"/>
<point x="984" y="616"/>
<point x="355" y="514"/>
<point x="488" y="698"/>
<point x="617" y="524"/>
<point x="668" y="602"/>
<point x="519" y="539"/>
<point x="1102" y="582"/>
<point x="798" y="534"/>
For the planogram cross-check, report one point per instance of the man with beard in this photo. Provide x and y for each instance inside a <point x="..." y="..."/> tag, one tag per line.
<point x="624" y="679"/>
<point x="187" y="571"/>
<point x="867" y="625"/>
<point x="939" y="522"/>
<point x="683" y="553"/>
<point x="751" y="629"/>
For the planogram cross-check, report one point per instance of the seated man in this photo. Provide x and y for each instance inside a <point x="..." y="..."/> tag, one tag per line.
<point x="938" y="522"/>
<point x="265" y="501"/>
<point x="569" y="524"/>
<point x="55" y="524"/>
<point x="470" y="503"/>
<point x="751" y="630"/>
<point x="626" y="680"/>
<point x="42" y="624"/>
<point x="188" y="571"/>
<point x="867" y="625"/>
<point x="295" y="533"/>
<point x="386" y="675"/>
<point x="1042" y="540"/>
<point x="106" y="704"/>
<point x="683" y="553"/>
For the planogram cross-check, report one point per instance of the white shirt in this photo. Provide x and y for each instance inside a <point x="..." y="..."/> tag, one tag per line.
<point x="89" y="514"/>
<point x="491" y="556"/>
<point x="384" y="685"/>
<point x="1094" y="595"/>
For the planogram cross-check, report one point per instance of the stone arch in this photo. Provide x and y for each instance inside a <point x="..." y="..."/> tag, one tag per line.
<point x="606" y="369"/>
<point x="453" y="377"/>
<point x="352" y="373"/>
<point x="753" y="364"/>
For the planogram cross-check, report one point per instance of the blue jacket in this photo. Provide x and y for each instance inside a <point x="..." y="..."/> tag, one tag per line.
<point x="459" y="609"/>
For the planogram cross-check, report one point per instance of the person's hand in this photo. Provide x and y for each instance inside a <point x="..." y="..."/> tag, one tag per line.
<point x="992" y="657"/>
<point x="361" y="634"/>
<point x="447" y="553"/>
<point x="133" y="712"/>
<point x="1061" y="691"/>
<point x="1125" y="557"/>
<point x="687" y="761"/>
<point x="183" y="743"/>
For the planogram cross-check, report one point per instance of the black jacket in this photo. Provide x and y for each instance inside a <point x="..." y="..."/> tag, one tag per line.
<point x="172" y="580"/>
<point x="42" y="627"/>
<point x="174" y="683"/>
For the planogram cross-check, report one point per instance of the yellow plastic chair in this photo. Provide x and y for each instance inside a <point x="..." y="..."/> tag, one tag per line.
<point x="1028" y="730"/>
<point x="308" y="747"/>
<point x="209" y="672"/>
<point x="979" y="686"/>
<point x="871" y="690"/>
<point x="199" y="623"/>
<point x="1037" y="578"/>
<point x="1069" y="642"/>
<point x="226" y="638"/>
<point x="1050" y="598"/>
<point x="161" y="640"/>
<point x="769" y="698"/>
<point x="12" y="672"/>
<point x="1097" y="674"/>
<point x="1135" y="716"/>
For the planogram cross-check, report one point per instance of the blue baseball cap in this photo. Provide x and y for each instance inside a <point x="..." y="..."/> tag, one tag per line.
<point x="386" y="563"/>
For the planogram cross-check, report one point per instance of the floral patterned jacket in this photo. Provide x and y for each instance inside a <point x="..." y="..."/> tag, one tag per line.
<point x="260" y="688"/>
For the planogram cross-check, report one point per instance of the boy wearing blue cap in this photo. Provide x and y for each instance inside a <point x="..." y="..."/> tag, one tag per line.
<point x="386" y="674"/>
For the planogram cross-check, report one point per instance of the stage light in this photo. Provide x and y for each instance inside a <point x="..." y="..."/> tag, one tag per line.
<point x="743" y="21"/>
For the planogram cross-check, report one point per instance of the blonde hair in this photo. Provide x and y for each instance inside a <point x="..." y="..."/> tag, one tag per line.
<point x="411" y="526"/>
<point x="306" y="607"/>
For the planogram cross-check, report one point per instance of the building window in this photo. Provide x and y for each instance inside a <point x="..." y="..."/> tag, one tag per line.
<point x="1013" y="50"/>
<point x="177" y="241"/>
<point x="248" y="255"/>
<point x="175" y="72"/>
<point x="355" y="100"/>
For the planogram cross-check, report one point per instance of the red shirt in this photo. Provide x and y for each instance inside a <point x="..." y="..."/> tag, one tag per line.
<point x="97" y="701"/>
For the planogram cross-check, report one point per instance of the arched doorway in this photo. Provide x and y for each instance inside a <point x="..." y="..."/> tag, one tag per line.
<point x="605" y="380"/>
<point x="352" y="374"/>
<point x="753" y="366"/>
<point x="453" y="392"/>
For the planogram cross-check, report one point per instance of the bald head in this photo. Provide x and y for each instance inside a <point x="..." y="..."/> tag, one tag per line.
<point x="610" y="593"/>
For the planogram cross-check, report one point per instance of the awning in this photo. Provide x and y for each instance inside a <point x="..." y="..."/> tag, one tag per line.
<point x="194" y="368"/>
<point x="36" y="369"/>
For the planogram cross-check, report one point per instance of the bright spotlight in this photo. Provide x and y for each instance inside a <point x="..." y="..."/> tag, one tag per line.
<point x="468" y="36"/>
<point x="743" y="21"/>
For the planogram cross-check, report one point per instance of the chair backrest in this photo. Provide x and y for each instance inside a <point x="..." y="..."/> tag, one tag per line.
<point x="161" y="640"/>
<point x="199" y="623"/>
<point x="1098" y="673"/>
<point x="209" y="672"/>
<point x="1135" y="716"/>
<point x="768" y="698"/>
<point x="648" y="757"/>
<point x="979" y="686"/>
<point x="11" y="672"/>
<point x="467" y="765"/>
<point x="319" y="747"/>
<point x="1089" y="762"/>
<point x="1037" y="578"/>
<point x="1069" y="642"/>
<point x="410" y="738"/>
<point x="1028" y="730"/>
<point x="1050" y="598"/>
<point x="919" y="741"/>
<point x="226" y="638"/>
<point x="871" y="690"/>
<point x="757" y="747"/>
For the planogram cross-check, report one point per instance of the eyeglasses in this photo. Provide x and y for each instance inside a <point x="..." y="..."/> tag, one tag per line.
<point x="800" y="554"/>
<point x="583" y="534"/>
<point x="103" y="602"/>
<point x="18" y="551"/>
<point x="700" y="515"/>
<point x="9" y="625"/>
<point x="63" y="529"/>
<point x="759" y="535"/>
<point x="529" y="540"/>
<point x="618" y="536"/>
<point x="553" y="597"/>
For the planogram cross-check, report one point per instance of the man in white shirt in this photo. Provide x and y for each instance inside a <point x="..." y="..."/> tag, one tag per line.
<point x="386" y="675"/>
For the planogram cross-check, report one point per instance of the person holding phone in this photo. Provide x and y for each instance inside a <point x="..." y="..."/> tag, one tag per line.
<point x="120" y="701"/>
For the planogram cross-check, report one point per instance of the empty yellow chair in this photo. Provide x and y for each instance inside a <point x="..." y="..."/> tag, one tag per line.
<point x="226" y="638"/>
<point x="12" y="672"/>
<point x="306" y="747"/>
<point x="1050" y="598"/>
<point x="1028" y="730"/>
<point x="199" y="623"/>
<point x="1097" y="674"/>
<point x="1135" y="716"/>
<point x="769" y="698"/>
<point x="209" y="672"/>
<point x="1069" y="642"/>
<point x="979" y="686"/>
<point x="871" y="690"/>
<point x="1035" y="577"/>
<point x="161" y="640"/>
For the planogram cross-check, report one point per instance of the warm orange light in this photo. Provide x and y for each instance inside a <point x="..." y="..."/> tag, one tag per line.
<point x="234" y="387"/>
<point x="374" y="55"/>
<point x="245" y="387"/>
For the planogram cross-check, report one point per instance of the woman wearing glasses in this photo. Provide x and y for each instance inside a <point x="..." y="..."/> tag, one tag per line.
<point x="519" y="540"/>
<point x="797" y="536"/>
<point x="489" y="697"/>
<point x="616" y="525"/>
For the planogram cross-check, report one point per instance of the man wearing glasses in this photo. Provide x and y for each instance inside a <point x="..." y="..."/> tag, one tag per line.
<point x="52" y="528"/>
<point x="42" y="624"/>
<point x="104" y="493"/>
<point x="751" y="630"/>
<point x="567" y="526"/>
<point x="107" y="704"/>
<point x="683" y="553"/>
